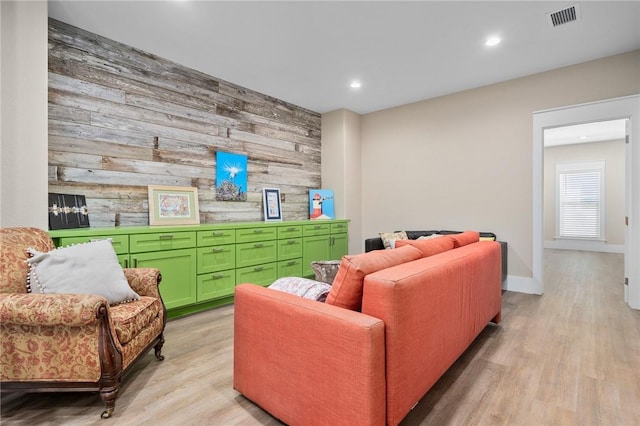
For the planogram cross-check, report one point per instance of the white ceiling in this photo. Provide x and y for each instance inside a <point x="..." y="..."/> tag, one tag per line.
<point x="307" y="52"/>
<point x="584" y="133"/>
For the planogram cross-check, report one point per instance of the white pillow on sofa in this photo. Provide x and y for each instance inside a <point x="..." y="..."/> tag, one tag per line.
<point x="89" y="268"/>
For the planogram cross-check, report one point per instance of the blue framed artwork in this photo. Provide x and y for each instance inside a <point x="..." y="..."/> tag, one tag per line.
<point x="231" y="177"/>
<point x="321" y="204"/>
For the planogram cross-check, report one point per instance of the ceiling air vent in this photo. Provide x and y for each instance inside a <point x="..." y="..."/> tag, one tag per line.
<point x="564" y="16"/>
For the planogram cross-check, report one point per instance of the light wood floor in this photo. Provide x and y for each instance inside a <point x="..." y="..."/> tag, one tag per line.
<point x="570" y="357"/>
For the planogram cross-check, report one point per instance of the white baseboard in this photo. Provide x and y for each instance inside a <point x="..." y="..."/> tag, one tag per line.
<point x="521" y="285"/>
<point x="584" y="246"/>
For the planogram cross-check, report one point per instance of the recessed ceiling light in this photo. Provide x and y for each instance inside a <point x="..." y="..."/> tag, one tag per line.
<point x="492" y="41"/>
<point x="355" y="84"/>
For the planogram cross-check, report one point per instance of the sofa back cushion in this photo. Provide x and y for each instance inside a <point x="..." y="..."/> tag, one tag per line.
<point x="346" y="290"/>
<point x="464" y="238"/>
<point x="429" y="247"/>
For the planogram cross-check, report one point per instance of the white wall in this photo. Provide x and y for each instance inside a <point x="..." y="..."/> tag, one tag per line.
<point x="23" y="119"/>
<point x="341" y="169"/>
<point x="465" y="161"/>
<point x="612" y="153"/>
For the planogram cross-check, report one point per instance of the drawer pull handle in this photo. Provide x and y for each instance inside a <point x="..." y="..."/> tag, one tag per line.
<point x="217" y="234"/>
<point x="291" y="229"/>
<point x="126" y="263"/>
<point x="291" y="242"/>
<point x="217" y="250"/>
<point x="257" y="231"/>
<point x="318" y="227"/>
<point x="258" y="268"/>
<point x="135" y="263"/>
<point x="217" y="276"/>
<point x="166" y="237"/>
<point x="291" y="263"/>
<point x="258" y="245"/>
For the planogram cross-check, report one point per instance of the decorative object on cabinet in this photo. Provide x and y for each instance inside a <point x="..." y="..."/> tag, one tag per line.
<point x="67" y="211"/>
<point x="271" y="204"/>
<point x="231" y="177"/>
<point x="173" y="205"/>
<point x="321" y="204"/>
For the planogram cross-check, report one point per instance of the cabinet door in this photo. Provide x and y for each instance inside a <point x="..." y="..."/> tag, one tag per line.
<point x="216" y="258"/>
<point x="216" y="285"/>
<point x="178" y="269"/>
<point x="290" y="248"/>
<point x="314" y="248"/>
<point x="255" y="253"/>
<point x="290" y="268"/>
<point x="262" y="275"/>
<point x="339" y="246"/>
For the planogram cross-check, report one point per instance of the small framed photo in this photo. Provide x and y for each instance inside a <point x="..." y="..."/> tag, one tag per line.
<point x="271" y="204"/>
<point x="173" y="205"/>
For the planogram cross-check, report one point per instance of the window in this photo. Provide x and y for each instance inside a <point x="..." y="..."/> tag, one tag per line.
<point x="580" y="200"/>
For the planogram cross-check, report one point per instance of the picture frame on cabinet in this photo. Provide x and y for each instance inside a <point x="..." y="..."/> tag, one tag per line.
<point x="173" y="205"/>
<point x="271" y="204"/>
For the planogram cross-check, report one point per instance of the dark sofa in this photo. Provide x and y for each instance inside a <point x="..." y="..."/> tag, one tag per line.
<point x="376" y="243"/>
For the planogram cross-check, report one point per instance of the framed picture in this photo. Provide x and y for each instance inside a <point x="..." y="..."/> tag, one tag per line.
<point x="67" y="211"/>
<point x="231" y="177"/>
<point x="173" y="205"/>
<point x="271" y="204"/>
<point x="321" y="204"/>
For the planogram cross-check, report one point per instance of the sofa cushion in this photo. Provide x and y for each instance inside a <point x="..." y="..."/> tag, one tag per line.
<point x="130" y="318"/>
<point x="389" y="238"/>
<point x="464" y="238"/>
<point x="429" y="246"/>
<point x="303" y="287"/>
<point x="89" y="268"/>
<point x="346" y="290"/>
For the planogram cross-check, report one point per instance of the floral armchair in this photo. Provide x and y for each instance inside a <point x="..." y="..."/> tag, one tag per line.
<point x="71" y="342"/>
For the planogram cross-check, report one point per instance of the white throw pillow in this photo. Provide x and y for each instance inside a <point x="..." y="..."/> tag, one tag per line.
<point x="89" y="268"/>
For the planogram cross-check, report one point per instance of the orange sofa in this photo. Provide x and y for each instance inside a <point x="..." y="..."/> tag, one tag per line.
<point x="393" y="323"/>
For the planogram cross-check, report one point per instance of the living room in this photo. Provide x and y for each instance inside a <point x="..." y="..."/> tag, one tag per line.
<point x="478" y="139"/>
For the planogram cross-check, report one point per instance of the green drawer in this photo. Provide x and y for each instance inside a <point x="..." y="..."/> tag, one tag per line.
<point x="260" y="274"/>
<point x="316" y="229"/>
<point x="290" y="268"/>
<point x="339" y="228"/>
<point x="120" y="243"/>
<point x="249" y="254"/>
<point x="289" y="248"/>
<point x="291" y="231"/>
<point x="216" y="285"/>
<point x="140" y="243"/>
<point x="216" y="258"/>
<point x="216" y="238"/>
<point x="250" y="235"/>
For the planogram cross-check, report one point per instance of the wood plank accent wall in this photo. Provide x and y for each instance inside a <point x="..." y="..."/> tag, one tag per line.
<point x="121" y="119"/>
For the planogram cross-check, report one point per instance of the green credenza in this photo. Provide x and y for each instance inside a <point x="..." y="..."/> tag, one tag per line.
<point x="202" y="264"/>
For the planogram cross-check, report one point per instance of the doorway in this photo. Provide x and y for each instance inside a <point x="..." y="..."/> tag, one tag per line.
<point x="621" y="108"/>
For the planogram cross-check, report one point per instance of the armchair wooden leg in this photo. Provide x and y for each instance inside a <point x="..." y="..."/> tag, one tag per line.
<point x="158" y="348"/>
<point x="109" y="398"/>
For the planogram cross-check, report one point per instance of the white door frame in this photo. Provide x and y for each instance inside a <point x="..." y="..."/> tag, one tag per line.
<point x="611" y="109"/>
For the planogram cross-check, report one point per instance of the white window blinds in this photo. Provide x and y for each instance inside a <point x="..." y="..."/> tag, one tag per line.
<point x="580" y="196"/>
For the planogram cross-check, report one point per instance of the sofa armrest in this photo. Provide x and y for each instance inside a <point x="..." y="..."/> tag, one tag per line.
<point x="144" y="281"/>
<point x="73" y="310"/>
<point x="300" y="359"/>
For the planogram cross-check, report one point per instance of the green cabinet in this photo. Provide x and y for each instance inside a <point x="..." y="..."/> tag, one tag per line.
<point x="323" y="241"/>
<point x="202" y="264"/>
<point x="178" y="269"/>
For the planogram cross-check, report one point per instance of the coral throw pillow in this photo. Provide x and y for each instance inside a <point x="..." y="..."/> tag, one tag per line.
<point x="346" y="291"/>
<point x="429" y="246"/>
<point x="464" y="238"/>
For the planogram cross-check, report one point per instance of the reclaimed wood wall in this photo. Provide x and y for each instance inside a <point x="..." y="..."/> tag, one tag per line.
<point x="121" y="119"/>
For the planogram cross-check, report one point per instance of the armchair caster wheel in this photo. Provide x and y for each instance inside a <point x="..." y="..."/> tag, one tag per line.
<point x="107" y="413"/>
